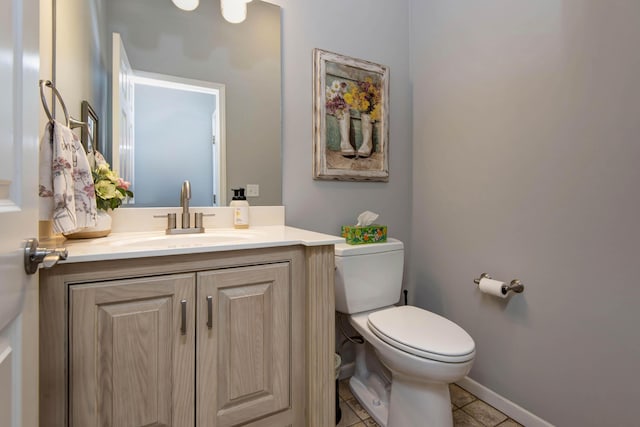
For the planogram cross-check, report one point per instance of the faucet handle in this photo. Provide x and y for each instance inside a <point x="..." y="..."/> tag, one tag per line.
<point x="171" y="219"/>
<point x="198" y="219"/>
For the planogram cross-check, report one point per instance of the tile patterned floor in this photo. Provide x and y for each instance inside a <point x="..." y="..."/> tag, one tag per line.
<point x="468" y="410"/>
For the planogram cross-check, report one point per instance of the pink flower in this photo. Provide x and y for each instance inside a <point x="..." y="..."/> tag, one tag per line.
<point x="123" y="184"/>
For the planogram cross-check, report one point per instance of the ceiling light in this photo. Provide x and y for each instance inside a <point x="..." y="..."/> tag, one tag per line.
<point x="234" y="11"/>
<point x="187" y="5"/>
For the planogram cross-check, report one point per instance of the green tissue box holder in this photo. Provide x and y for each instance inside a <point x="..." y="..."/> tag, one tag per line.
<point x="362" y="235"/>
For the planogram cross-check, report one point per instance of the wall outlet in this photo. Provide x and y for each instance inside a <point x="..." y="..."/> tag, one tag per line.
<point x="253" y="190"/>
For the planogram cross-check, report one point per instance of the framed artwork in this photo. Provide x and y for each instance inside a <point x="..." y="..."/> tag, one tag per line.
<point x="89" y="135"/>
<point x="350" y="118"/>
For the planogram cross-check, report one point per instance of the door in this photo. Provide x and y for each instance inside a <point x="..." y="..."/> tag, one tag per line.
<point x="19" y="112"/>
<point x="243" y="345"/>
<point x="132" y="352"/>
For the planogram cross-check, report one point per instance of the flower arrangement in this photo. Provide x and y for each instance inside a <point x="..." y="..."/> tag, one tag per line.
<point x="364" y="96"/>
<point x="109" y="187"/>
<point x="335" y="101"/>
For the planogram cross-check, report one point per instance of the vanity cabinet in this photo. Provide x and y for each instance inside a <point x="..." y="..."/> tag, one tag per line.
<point x="244" y="341"/>
<point x="207" y="340"/>
<point x="129" y="362"/>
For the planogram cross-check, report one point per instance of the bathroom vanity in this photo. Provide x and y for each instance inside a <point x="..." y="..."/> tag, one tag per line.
<point x="222" y="329"/>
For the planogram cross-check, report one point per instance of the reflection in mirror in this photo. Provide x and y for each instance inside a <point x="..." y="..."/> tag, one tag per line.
<point x="198" y="45"/>
<point x="176" y="122"/>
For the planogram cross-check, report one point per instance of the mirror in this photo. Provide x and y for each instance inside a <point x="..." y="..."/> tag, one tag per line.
<point x="199" y="45"/>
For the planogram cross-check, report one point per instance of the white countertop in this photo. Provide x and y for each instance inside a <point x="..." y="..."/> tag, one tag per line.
<point x="125" y="245"/>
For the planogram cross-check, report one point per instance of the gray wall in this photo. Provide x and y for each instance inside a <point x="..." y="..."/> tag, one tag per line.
<point x="172" y="145"/>
<point x="200" y="45"/>
<point x="526" y="124"/>
<point x="376" y="30"/>
<point x="78" y="69"/>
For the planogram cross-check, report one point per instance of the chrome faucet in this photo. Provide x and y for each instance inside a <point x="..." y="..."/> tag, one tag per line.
<point x="198" y="227"/>
<point x="185" y="196"/>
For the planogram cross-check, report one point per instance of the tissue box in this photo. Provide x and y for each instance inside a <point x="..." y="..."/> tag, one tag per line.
<point x="360" y="235"/>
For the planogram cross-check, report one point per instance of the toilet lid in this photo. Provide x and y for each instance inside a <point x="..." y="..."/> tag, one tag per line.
<point x="422" y="334"/>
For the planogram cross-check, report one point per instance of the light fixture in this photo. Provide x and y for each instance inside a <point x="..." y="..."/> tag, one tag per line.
<point x="234" y="11"/>
<point x="187" y="5"/>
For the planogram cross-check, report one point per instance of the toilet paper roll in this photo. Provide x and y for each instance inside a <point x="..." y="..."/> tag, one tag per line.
<point x="492" y="287"/>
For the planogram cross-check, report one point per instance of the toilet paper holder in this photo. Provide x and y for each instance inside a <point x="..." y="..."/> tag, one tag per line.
<point x="515" y="285"/>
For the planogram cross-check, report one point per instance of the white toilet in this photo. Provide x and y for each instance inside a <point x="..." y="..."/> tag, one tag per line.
<point x="421" y="352"/>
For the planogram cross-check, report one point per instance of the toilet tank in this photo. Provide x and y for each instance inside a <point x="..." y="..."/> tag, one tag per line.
<point x="368" y="276"/>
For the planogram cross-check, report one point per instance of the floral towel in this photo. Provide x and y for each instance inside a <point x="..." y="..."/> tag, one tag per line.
<point x="66" y="183"/>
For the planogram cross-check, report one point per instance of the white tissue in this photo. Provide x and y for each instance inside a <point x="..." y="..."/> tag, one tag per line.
<point x="492" y="287"/>
<point x="366" y="218"/>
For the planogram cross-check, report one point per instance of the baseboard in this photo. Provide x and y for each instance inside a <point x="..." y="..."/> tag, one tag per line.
<point x="502" y="404"/>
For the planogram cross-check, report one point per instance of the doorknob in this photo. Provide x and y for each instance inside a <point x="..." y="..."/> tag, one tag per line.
<point x="33" y="256"/>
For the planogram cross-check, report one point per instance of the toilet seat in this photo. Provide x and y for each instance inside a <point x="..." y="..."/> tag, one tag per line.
<point x="422" y="333"/>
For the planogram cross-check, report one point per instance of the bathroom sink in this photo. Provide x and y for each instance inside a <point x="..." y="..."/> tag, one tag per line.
<point x="159" y="241"/>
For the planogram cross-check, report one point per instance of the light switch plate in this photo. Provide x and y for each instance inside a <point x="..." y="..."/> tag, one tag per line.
<point x="253" y="190"/>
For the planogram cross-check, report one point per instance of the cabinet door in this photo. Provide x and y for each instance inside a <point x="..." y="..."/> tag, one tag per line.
<point x="243" y="344"/>
<point x="132" y="352"/>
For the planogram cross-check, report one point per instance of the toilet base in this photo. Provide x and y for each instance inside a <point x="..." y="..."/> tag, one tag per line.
<point x="419" y="403"/>
<point x="413" y="403"/>
<point x="376" y="405"/>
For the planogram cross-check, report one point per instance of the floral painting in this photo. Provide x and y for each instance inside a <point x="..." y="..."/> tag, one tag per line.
<point x="350" y="118"/>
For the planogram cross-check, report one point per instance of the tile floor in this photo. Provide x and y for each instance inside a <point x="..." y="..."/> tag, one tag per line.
<point x="468" y="410"/>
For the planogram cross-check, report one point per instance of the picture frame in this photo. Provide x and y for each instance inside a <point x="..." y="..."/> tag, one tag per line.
<point x="89" y="135"/>
<point x="350" y="118"/>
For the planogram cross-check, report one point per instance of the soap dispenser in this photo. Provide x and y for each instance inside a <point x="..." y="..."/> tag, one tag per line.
<point x="240" y="208"/>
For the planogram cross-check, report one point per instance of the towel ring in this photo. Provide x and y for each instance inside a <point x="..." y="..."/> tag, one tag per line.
<point x="69" y="121"/>
<point x="56" y="94"/>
